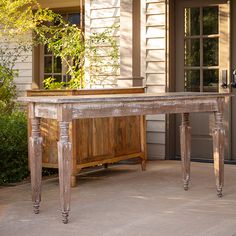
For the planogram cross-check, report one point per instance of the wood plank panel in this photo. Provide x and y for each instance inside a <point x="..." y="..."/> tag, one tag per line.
<point x="127" y="138"/>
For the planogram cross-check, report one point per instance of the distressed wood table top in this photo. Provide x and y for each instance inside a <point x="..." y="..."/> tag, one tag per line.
<point x="88" y="106"/>
<point x="122" y="97"/>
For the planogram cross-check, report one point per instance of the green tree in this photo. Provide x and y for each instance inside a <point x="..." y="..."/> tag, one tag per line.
<point x="65" y="40"/>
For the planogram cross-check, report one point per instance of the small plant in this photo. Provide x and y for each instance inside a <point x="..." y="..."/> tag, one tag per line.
<point x="13" y="147"/>
<point x="51" y="83"/>
<point x="7" y="90"/>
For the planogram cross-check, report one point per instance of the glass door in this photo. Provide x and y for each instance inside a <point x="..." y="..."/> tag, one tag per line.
<point x="202" y="64"/>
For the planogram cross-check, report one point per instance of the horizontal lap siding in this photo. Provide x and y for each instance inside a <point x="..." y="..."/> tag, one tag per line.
<point x="23" y="64"/>
<point x="155" y="72"/>
<point x="99" y="16"/>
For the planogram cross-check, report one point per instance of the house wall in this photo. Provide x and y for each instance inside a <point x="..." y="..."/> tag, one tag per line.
<point x="24" y="66"/>
<point x="153" y="15"/>
<point x="99" y="16"/>
<point x="23" y="63"/>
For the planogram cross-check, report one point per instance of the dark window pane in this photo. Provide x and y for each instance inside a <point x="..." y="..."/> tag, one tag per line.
<point x="74" y="18"/>
<point x="192" y="21"/>
<point x="210" y="80"/>
<point x="210" y="52"/>
<point x="47" y="76"/>
<point x="48" y="64"/>
<point x="57" y="65"/>
<point x="58" y="78"/>
<point x="192" y="80"/>
<point x="210" y="20"/>
<point x="192" y="52"/>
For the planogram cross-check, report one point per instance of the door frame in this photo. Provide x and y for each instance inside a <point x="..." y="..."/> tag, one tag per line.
<point x="171" y="71"/>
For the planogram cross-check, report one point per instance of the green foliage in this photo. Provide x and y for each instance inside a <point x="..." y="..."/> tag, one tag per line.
<point x="51" y="83"/>
<point x="7" y="90"/>
<point x="13" y="147"/>
<point x="20" y="16"/>
<point x="65" y="40"/>
<point x="69" y="43"/>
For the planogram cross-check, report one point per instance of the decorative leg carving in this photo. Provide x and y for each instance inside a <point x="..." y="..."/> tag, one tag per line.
<point x="35" y="155"/>
<point x="64" y="161"/>
<point x="185" y="145"/>
<point x="218" y="152"/>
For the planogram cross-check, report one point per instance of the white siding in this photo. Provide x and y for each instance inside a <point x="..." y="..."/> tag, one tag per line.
<point x="99" y="16"/>
<point x="23" y="63"/>
<point x="154" y="69"/>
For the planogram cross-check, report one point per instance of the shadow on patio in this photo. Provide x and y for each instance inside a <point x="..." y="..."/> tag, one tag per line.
<point x="122" y="200"/>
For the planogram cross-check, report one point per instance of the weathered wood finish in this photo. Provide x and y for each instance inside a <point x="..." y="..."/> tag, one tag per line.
<point x="35" y="157"/>
<point x="218" y="152"/>
<point x="95" y="141"/>
<point x="185" y="145"/>
<point x="64" y="160"/>
<point x="65" y="109"/>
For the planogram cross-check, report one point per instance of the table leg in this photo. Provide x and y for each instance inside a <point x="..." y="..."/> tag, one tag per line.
<point x="143" y="142"/>
<point x="218" y="152"/>
<point x="185" y="146"/>
<point x="64" y="161"/>
<point x="35" y="156"/>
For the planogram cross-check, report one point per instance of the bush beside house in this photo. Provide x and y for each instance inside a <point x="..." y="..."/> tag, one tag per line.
<point x="13" y="147"/>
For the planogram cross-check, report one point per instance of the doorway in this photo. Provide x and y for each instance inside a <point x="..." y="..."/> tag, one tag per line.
<point x="202" y="64"/>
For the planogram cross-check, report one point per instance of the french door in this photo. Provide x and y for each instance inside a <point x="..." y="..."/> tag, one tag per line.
<point x="202" y="64"/>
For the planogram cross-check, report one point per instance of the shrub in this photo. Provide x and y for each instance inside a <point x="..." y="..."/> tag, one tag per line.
<point x="13" y="147"/>
<point x="7" y="90"/>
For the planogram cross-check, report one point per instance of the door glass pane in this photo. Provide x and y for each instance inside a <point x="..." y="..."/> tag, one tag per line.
<point x="210" y="20"/>
<point x="48" y="64"/>
<point x="192" y="80"/>
<point x="210" y="80"/>
<point x="192" y="52"/>
<point x="57" y="65"/>
<point x="192" y="21"/>
<point x="210" y="52"/>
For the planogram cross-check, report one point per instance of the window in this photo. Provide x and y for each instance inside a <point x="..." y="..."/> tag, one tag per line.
<point x="52" y="66"/>
<point x="201" y="45"/>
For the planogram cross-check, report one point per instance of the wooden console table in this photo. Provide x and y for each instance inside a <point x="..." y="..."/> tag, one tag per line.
<point x="66" y="109"/>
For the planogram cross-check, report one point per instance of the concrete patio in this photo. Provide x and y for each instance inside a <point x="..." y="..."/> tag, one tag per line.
<point x="124" y="201"/>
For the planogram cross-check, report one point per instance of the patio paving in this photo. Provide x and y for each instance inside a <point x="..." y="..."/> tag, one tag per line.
<point x="124" y="201"/>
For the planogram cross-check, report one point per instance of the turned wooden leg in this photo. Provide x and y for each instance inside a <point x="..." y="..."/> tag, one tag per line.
<point x="35" y="156"/>
<point x="64" y="161"/>
<point x="185" y="146"/>
<point x="143" y="142"/>
<point x="218" y="152"/>
<point x="74" y="154"/>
